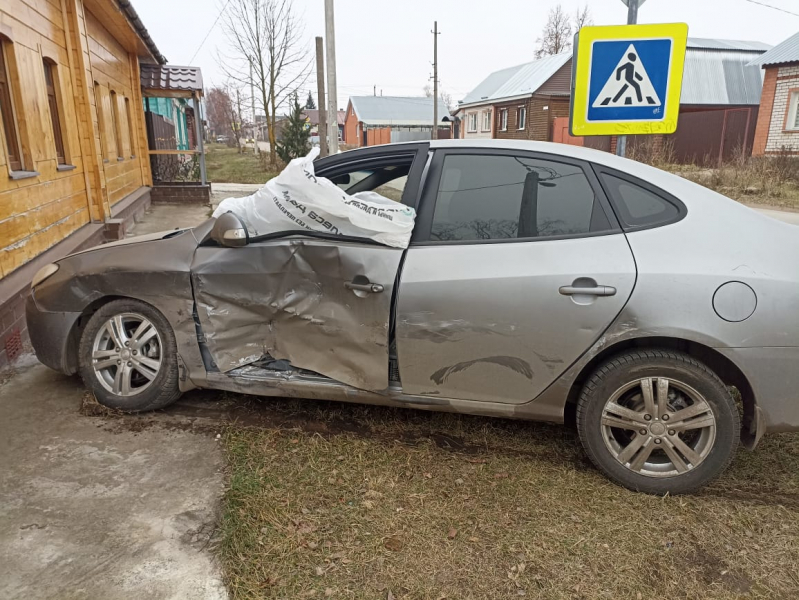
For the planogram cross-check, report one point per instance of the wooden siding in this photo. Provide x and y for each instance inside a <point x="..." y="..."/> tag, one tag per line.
<point x="541" y="112"/>
<point x="111" y="69"/>
<point x="38" y="212"/>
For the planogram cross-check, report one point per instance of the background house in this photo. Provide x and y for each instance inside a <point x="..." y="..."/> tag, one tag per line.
<point x="520" y="102"/>
<point x="373" y="120"/>
<point x="312" y="118"/>
<point x="718" y="109"/>
<point x="778" y="121"/>
<point x="74" y="165"/>
<point x="718" y="106"/>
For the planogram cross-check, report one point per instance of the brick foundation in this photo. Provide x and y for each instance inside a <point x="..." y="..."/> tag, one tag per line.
<point x="181" y="193"/>
<point x="15" y="287"/>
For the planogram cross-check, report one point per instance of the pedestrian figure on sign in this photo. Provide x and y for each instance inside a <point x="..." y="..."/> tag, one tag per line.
<point x="628" y="84"/>
<point x="630" y="76"/>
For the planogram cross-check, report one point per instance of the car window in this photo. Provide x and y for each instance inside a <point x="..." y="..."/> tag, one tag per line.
<point x="636" y="206"/>
<point x="388" y="181"/>
<point x="493" y="197"/>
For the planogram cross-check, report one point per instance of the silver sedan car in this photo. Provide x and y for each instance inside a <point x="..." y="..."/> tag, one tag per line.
<point x="543" y="281"/>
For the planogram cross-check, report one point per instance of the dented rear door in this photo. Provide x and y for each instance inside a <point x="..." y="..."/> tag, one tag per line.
<point x="507" y="282"/>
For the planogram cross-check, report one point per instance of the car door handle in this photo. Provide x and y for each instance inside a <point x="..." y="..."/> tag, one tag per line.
<point x="599" y="290"/>
<point x="371" y="288"/>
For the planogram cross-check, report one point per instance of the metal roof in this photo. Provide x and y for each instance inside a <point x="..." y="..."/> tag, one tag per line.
<point x="134" y="19"/>
<point x="519" y="81"/>
<point x="723" y="77"/>
<point x="784" y="52"/>
<point x="313" y="116"/>
<point x="171" y="78"/>
<point x="396" y="110"/>
<point x="715" y="44"/>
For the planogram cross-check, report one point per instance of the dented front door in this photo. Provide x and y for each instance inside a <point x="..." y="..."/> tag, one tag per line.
<point x="322" y="305"/>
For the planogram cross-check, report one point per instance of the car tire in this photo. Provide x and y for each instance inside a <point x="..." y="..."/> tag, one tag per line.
<point x="652" y="446"/>
<point x="128" y="357"/>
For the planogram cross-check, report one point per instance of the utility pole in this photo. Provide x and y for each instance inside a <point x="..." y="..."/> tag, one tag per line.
<point x="254" y="120"/>
<point x="632" y="19"/>
<point x="320" y="96"/>
<point x="238" y="102"/>
<point x="435" y="80"/>
<point x="332" y="93"/>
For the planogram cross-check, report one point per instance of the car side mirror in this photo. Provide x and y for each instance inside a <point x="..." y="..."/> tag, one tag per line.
<point x="230" y="231"/>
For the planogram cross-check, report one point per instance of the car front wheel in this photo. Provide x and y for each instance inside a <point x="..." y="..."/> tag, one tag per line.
<point x="658" y="421"/>
<point x="128" y="357"/>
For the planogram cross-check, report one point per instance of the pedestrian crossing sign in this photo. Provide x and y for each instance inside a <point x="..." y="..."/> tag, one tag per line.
<point x="627" y="79"/>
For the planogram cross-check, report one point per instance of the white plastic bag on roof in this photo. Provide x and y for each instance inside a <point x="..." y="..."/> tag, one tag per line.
<point x="297" y="199"/>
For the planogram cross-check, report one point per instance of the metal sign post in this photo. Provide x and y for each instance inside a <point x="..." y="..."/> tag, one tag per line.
<point x="632" y="19"/>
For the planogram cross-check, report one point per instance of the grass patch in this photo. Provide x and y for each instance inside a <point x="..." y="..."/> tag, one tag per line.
<point x="347" y="501"/>
<point x="227" y="165"/>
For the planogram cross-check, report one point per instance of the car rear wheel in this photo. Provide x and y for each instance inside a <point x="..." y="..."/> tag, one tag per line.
<point x="128" y="357"/>
<point x="658" y="421"/>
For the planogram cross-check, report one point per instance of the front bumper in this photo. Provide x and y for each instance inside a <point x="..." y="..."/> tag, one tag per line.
<point x="53" y="336"/>
<point x="772" y="373"/>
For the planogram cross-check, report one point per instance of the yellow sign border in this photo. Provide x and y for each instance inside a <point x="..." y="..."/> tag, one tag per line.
<point x="580" y="126"/>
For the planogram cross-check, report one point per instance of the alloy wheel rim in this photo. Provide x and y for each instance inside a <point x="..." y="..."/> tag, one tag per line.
<point x="127" y="354"/>
<point x="658" y="427"/>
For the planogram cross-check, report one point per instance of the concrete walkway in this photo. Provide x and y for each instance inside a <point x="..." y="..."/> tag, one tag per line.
<point x="102" y="508"/>
<point x="781" y="215"/>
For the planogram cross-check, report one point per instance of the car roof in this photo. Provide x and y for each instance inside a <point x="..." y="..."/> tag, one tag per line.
<point x="566" y="150"/>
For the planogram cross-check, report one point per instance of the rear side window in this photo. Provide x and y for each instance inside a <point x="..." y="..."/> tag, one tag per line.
<point x="495" y="197"/>
<point x="636" y="206"/>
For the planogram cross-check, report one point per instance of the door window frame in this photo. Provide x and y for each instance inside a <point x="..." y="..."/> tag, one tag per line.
<point x="357" y="160"/>
<point x="682" y="210"/>
<point x="426" y="210"/>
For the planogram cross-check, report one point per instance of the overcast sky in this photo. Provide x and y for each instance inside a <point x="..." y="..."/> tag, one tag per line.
<point x="389" y="44"/>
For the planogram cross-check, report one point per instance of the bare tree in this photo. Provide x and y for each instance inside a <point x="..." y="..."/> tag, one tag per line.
<point x="557" y="34"/>
<point x="269" y="53"/>
<point x="445" y="97"/>
<point x="219" y="108"/>
<point x="582" y="18"/>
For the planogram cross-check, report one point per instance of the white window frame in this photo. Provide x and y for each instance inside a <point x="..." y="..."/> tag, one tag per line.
<point x="471" y="122"/>
<point x="503" y="119"/>
<point x="521" y="118"/>
<point x="792" y="120"/>
<point x="487" y="120"/>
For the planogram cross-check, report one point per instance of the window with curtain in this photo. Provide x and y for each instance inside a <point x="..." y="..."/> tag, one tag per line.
<point x="51" y="79"/>
<point x="10" y="130"/>
<point x="131" y="128"/>
<point x="115" y="124"/>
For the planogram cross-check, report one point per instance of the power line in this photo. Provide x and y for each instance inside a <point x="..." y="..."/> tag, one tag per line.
<point x="773" y="7"/>
<point x="193" y="56"/>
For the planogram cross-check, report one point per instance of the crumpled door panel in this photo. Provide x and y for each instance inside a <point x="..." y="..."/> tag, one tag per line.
<point x="287" y="298"/>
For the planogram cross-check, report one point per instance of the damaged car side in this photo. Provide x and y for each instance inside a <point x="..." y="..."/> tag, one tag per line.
<point x="541" y="281"/>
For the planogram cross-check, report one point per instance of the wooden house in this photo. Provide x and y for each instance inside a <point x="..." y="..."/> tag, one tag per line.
<point x="74" y="167"/>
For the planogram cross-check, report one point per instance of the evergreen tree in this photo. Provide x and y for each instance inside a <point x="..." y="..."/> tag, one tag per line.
<point x="309" y="103"/>
<point x="296" y="137"/>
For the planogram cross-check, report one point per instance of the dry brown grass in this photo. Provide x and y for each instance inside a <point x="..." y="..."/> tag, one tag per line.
<point x="772" y="180"/>
<point x="329" y="500"/>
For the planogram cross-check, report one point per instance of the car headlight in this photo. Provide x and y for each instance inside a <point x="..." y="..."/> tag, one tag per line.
<point x="43" y="273"/>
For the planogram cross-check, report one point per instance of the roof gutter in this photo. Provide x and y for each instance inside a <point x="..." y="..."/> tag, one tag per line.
<point x="134" y="19"/>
